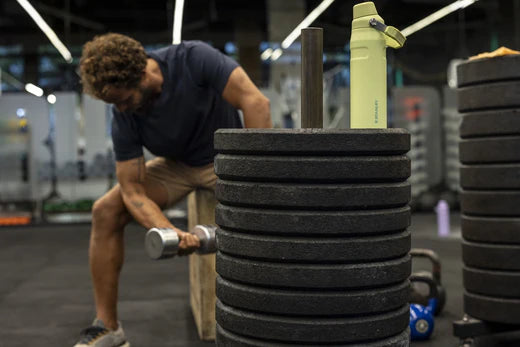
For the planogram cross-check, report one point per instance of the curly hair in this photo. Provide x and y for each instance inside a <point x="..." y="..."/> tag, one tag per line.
<point x="111" y="60"/>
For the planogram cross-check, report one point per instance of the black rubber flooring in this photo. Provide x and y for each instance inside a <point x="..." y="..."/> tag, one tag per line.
<point x="46" y="294"/>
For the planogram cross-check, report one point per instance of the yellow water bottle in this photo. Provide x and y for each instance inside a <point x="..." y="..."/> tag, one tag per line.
<point x="370" y="37"/>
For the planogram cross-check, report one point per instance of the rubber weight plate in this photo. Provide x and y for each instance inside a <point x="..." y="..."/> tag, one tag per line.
<point x="312" y="169"/>
<point x="494" y="283"/>
<point x="492" y="309"/>
<point x="301" y="276"/>
<point x="312" y="329"/>
<point x="495" y="176"/>
<point x="346" y="223"/>
<point x="312" y="141"/>
<point x="489" y="96"/>
<point x="491" y="256"/>
<point x="493" y="230"/>
<point x="490" y="150"/>
<point x="312" y="302"/>
<point x="313" y="196"/>
<point x="488" y="70"/>
<point x="226" y="338"/>
<point x="490" y="123"/>
<point x="490" y="203"/>
<point x="314" y="249"/>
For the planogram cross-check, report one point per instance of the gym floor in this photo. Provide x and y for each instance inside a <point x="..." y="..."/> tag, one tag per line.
<point x="46" y="294"/>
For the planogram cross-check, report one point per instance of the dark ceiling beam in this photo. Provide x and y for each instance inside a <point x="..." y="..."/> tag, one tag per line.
<point x="33" y="40"/>
<point x="68" y="16"/>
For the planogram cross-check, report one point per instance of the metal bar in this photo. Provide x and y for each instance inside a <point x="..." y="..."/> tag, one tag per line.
<point x="9" y="79"/>
<point x="312" y="78"/>
<point x="517" y="22"/>
<point x="471" y="327"/>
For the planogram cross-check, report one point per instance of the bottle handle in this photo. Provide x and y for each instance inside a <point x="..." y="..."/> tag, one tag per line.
<point x="393" y="37"/>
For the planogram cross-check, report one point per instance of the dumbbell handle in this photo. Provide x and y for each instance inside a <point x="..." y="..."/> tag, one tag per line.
<point x="163" y="243"/>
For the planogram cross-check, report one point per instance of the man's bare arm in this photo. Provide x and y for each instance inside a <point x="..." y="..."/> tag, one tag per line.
<point x="241" y="92"/>
<point x="131" y="175"/>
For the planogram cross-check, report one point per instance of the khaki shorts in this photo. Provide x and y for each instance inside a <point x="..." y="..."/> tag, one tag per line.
<point x="180" y="179"/>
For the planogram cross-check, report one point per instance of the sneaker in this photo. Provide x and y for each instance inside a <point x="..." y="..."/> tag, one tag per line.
<point x="99" y="336"/>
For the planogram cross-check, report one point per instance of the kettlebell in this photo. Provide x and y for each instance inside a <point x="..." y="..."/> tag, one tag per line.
<point x="435" y="278"/>
<point x="422" y="322"/>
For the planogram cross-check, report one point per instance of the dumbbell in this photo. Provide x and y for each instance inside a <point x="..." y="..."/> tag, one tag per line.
<point x="161" y="243"/>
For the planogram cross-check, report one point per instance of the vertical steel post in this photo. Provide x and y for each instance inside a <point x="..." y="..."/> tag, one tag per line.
<point x="312" y="78"/>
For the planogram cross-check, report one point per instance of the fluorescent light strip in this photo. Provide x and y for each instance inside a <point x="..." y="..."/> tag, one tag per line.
<point x="457" y="5"/>
<point x="177" y="21"/>
<point x="305" y="23"/>
<point x="46" y="30"/>
<point x="266" y="54"/>
<point x="51" y="99"/>
<point x="276" y="54"/>
<point x="34" y="90"/>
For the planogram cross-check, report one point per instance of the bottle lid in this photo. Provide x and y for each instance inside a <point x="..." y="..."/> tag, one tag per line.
<point x="364" y="9"/>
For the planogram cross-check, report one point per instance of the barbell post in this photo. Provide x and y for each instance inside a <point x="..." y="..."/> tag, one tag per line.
<point x="312" y="78"/>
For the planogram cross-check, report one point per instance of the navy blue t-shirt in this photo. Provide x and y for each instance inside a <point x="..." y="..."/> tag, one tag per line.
<point x="181" y="123"/>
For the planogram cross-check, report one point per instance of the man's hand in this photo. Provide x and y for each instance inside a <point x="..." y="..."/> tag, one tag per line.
<point x="188" y="243"/>
<point x="131" y="175"/>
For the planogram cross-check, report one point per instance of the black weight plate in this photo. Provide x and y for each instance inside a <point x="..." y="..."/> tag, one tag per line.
<point x="490" y="150"/>
<point x="330" y="276"/>
<point x="489" y="96"/>
<point x="347" y="223"/>
<point x="311" y="169"/>
<point x="312" y="329"/>
<point x="488" y="229"/>
<point x="312" y="302"/>
<point x="493" y="176"/>
<point x="494" y="283"/>
<point x="492" y="309"/>
<point x="226" y="338"/>
<point x="491" y="256"/>
<point x="314" y="249"/>
<point x="488" y="70"/>
<point x="490" y="123"/>
<point x="313" y="196"/>
<point x="491" y="203"/>
<point x="312" y="141"/>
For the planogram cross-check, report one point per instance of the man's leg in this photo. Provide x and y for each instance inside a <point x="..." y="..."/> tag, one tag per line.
<point x="106" y="253"/>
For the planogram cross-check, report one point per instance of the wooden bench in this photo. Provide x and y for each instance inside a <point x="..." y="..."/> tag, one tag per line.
<point x="201" y="210"/>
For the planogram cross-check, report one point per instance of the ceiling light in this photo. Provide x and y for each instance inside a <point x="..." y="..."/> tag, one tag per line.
<point x="33" y="89"/>
<point x="47" y="30"/>
<point x="177" y="21"/>
<point x="266" y="54"/>
<point x="457" y="5"/>
<point x="51" y="98"/>
<point x="276" y="54"/>
<point x="306" y="22"/>
<point x="20" y="112"/>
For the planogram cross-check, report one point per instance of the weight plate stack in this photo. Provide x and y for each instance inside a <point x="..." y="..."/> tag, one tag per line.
<point x="312" y="241"/>
<point x="490" y="180"/>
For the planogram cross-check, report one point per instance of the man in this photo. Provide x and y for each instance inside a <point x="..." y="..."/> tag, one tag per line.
<point x="170" y="101"/>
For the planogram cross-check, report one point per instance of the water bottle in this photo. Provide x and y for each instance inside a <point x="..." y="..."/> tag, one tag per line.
<point x="443" y="218"/>
<point x="370" y="37"/>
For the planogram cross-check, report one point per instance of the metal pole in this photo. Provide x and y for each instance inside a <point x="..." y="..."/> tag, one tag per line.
<point x="517" y="23"/>
<point x="312" y="78"/>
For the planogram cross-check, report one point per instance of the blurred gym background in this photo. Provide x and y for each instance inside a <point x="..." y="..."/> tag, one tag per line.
<point x="55" y="148"/>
